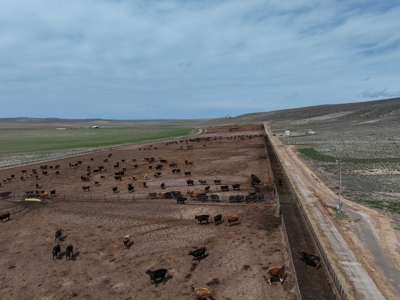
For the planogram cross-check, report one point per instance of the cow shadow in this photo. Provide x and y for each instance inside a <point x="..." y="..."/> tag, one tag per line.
<point x="61" y="256"/>
<point x="219" y="223"/>
<point x="129" y="245"/>
<point x="234" y="224"/>
<point x="75" y="255"/>
<point x="62" y="238"/>
<point x="277" y="280"/>
<point x="201" y="257"/>
<point x="166" y="279"/>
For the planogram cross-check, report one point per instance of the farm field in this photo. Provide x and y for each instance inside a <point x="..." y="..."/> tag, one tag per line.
<point x="162" y="231"/>
<point x="38" y="135"/>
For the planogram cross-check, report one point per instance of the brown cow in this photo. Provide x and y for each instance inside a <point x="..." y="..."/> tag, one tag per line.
<point x="275" y="272"/>
<point x="233" y="219"/>
<point x="86" y="188"/>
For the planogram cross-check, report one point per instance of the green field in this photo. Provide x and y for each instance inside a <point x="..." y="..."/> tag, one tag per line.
<point x="46" y="137"/>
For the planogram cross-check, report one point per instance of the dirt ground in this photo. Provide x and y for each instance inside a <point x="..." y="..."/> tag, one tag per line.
<point x="162" y="231"/>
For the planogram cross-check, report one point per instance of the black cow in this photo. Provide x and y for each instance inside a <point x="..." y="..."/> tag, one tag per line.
<point x="56" y="250"/>
<point x="214" y="198"/>
<point x="53" y="192"/>
<point x="181" y="200"/>
<point x="157" y="274"/>
<point x="310" y="259"/>
<point x="218" y="219"/>
<point x="236" y="187"/>
<point x="115" y="189"/>
<point x="69" y="252"/>
<point x="188" y="173"/>
<point x="199" y="253"/>
<point x="5" y="216"/>
<point x="190" y="182"/>
<point x="224" y="188"/>
<point x="58" y="234"/>
<point x="202" y="197"/>
<point x="202" y="218"/>
<point x="130" y="188"/>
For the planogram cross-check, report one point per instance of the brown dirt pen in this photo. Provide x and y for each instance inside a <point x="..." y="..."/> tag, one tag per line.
<point x="162" y="231"/>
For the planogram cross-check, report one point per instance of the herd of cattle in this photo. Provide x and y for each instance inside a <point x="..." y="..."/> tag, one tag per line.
<point x="90" y="173"/>
<point x="159" y="275"/>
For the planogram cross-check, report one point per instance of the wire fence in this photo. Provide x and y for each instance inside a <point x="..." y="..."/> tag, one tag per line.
<point x="22" y="159"/>
<point x="11" y="161"/>
<point x="296" y="283"/>
<point x="88" y="196"/>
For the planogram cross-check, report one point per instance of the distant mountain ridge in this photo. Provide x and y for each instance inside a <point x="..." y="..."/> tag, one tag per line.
<point x="388" y="109"/>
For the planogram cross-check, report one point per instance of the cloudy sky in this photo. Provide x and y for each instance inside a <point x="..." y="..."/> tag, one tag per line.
<point x="152" y="59"/>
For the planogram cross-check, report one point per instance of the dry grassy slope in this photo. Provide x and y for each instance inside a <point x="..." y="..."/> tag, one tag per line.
<point x="362" y="111"/>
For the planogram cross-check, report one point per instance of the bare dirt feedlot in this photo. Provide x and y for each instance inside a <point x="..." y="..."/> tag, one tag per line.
<point x="163" y="232"/>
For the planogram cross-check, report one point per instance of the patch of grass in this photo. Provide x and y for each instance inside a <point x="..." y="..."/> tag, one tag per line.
<point x="315" y="155"/>
<point x="35" y="140"/>
<point x="340" y="215"/>
<point x="393" y="207"/>
<point x="287" y="199"/>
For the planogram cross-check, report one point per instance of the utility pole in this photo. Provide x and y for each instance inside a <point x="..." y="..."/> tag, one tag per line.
<point x="340" y="181"/>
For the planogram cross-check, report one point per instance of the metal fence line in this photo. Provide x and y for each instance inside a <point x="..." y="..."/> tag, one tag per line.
<point x="55" y="156"/>
<point x="339" y="289"/>
<point x="284" y="232"/>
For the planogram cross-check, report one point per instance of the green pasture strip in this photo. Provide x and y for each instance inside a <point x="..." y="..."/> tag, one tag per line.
<point x="287" y="199"/>
<point x="35" y="140"/>
<point x="313" y="154"/>
<point x="394" y="207"/>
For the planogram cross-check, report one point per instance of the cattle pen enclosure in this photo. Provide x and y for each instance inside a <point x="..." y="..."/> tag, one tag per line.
<point x="162" y="231"/>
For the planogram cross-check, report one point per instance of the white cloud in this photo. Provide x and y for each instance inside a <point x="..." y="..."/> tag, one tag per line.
<point x="177" y="59"/>
<point x="371" y="93"/>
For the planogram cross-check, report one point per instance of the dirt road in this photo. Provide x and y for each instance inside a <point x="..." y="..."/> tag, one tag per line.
<point x="361" y="248"/>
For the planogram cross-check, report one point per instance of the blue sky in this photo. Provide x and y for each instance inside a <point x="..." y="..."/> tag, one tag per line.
<point x="193" y="59"/>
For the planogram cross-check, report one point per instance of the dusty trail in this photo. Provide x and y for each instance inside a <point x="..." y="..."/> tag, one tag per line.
<point x="363" y="252"/>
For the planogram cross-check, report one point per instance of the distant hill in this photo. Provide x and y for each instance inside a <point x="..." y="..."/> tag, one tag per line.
<point x="388" y="110"/>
